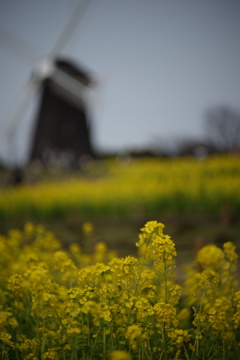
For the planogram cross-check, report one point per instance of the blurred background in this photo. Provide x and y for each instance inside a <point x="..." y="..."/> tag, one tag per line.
<point x="83" y="81"/>
<point x="158" y="67"/>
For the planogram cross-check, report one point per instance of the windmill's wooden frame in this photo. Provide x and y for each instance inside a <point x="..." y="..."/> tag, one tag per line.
<point x="62" y="122"/>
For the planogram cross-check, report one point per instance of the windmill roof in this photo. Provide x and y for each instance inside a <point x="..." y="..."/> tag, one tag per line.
<point x="75" y="70"/>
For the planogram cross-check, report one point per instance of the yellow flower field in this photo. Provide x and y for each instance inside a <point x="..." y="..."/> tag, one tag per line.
<point x="67" y="305"/>
<point x="149" y="186"/>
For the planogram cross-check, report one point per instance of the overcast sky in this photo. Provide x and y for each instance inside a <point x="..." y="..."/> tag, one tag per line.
<point x="161" y="64"/>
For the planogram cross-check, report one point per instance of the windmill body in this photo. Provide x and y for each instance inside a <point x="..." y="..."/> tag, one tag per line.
<point x="62" y="119"/>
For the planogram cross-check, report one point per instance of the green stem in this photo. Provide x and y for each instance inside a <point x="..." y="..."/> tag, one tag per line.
<point x="104" y="342"/>
<point x="43" y="340"/>
<point x="165" y="281"/>
<point x="138" y="280"/>
<point x="186" y="353"/>
<point x="150" y="350"/>
<point x="141" y="268"/>
<point x="93" y="349"/>
<point x="224" y="350"/>
<point x="196" y="342"/>
<point x="164" y="342"/>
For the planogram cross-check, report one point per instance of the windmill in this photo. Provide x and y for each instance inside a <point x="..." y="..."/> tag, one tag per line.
<point x="62" y="122"/>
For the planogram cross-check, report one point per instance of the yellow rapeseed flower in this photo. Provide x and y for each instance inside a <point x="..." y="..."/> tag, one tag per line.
<point x="230" y="251"/>
<point x="135" y="335"/>
<point x="211" y="257"/>
<point x="87" y="228"/>
<point x="179" y="336"/>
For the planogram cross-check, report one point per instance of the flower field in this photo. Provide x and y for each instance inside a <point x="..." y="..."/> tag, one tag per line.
<point x="64" y="304"/>
<point x="75" y="299"/>
<point x="146" y="186"/>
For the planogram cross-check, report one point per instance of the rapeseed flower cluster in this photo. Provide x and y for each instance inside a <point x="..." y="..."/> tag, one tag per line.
<point x="61" y="304"/>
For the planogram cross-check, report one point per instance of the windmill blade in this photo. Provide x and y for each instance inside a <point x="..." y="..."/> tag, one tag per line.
<point x="43" y="70"/>
<point x="69" y="28"/>
<point x="11" y="124"/>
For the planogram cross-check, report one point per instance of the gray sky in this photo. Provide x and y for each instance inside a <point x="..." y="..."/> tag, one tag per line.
<point x="161" y="64"/>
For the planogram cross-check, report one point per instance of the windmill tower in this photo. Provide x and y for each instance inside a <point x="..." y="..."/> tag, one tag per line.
<point x="62" y="120"/>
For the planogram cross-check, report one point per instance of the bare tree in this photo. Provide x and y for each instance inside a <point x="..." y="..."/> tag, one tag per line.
<point x="222" y="124"/>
